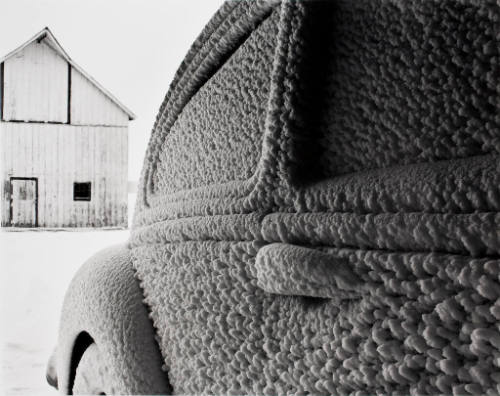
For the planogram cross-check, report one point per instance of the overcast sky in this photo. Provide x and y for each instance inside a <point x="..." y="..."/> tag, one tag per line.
<point x="131" y="47"/>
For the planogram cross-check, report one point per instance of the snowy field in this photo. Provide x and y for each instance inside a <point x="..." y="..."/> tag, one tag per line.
<point x="36" y="268"/>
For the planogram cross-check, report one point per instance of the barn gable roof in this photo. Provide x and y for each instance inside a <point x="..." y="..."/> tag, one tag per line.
<point x="48" y="37"/>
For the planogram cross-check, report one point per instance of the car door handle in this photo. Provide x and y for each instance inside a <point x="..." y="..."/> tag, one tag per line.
<point x="287" y="269"/>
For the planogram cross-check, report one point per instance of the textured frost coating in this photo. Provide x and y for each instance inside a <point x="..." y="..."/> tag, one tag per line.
<point x="362" y="254"/>
<point x="407" y="82"/>
<point x="357" y="250"/>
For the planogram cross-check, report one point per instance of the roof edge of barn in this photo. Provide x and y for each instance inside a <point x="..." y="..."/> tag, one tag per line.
<point x="46" y="33"/>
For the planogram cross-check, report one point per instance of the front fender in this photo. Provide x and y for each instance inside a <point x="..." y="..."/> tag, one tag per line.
<point x="104" y="304"/>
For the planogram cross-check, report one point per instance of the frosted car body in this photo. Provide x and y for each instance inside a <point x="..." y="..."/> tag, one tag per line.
<point x="318" y="211"/>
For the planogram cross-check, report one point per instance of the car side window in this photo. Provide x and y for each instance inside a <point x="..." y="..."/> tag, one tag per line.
<point x="217" y="137"/>
<point x="388" y="89"/>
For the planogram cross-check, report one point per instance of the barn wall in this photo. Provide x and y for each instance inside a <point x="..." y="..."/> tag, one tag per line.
<point x="36" y="85"/>
<point x="89" y="106"/>
<point x="59" y="155"/>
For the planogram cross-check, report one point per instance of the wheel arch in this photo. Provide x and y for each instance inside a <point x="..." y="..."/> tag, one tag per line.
<point x="104" y="306"/>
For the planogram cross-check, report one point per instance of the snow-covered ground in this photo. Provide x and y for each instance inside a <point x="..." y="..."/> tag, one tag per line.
<point x="36" y="268"/>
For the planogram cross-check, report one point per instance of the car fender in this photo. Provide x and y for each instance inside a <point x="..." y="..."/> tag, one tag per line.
<point x="104" y="305"/>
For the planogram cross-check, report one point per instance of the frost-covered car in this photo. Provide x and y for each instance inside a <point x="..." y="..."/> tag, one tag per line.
<point x="318" y="212"/>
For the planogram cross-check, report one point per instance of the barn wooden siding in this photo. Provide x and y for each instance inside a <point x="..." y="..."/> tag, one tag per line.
<point x="90" y="107"/>
<point x="57" y="126"/>
<point x="40" y="85"/>
<point x="58" y="156"/>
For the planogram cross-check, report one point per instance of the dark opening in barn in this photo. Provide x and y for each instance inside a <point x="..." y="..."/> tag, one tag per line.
<point x="82" y="191"/>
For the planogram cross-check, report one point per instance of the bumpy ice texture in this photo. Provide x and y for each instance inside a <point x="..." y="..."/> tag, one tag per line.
<point x="382" y="275"/>
<point x="319" y="207"/>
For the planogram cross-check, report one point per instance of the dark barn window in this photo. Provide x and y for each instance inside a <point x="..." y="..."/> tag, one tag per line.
<point x="82" y="191"/>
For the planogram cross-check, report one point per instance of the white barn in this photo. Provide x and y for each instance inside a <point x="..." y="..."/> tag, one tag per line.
<point x="64" y="142"/>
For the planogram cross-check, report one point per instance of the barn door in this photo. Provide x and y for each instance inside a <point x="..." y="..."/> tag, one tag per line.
<point x="23" y="202"/>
